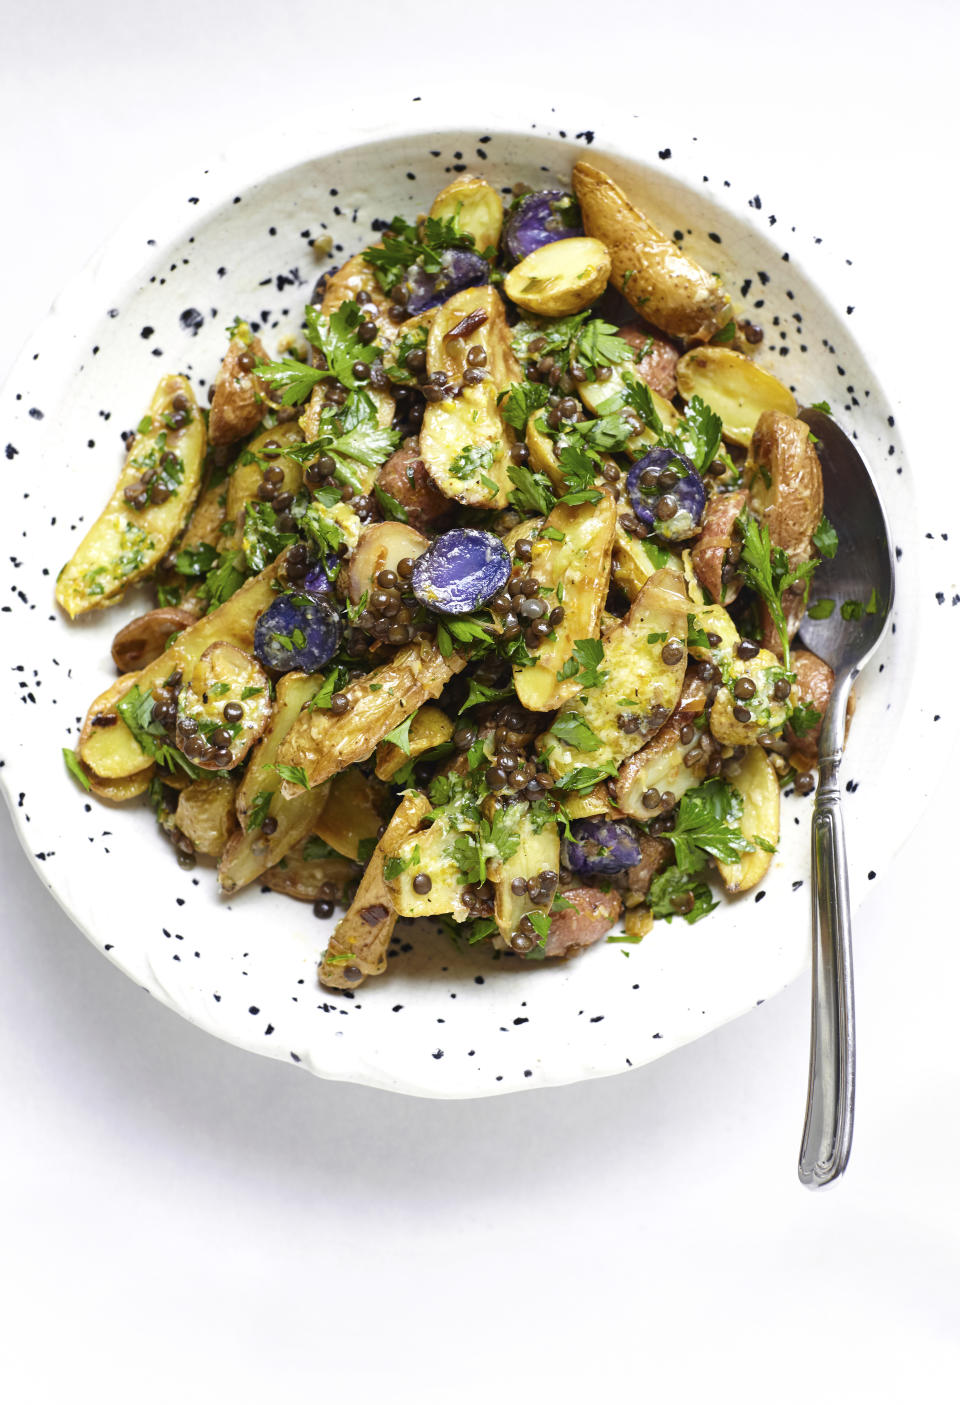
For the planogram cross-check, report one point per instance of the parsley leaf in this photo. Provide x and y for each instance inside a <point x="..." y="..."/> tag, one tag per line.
<point x="822" y="406"/>
<point x="224" y="580"/>
<point x="588" y="655"/>
<point x="702" y="430"/>
<point x="294" y="378"/>
<point x="825" y="539"/>
<point x="262" y="542"/>
<point x="599" y="345"/>
<point x="400" y="735"/>
<point x="136" y="709"/>
<point x="395" y="865"/>
<point x="258" y="810"/>
<point x="767" y="570"/>
<point x="803" y="719"/>
<point x="404" y="245"/>
<point x="197" y="560"/>
<point x="585" y="777"/>
<point x="392" y="510"/>
<point x="579" y="471"/>
<point x="540" y="922"/>
<point x="727" y="333"/>
<point x="337" y="338"/>
<point x="533" y="491"/>
<point x="520" y="400"/>
<point x="673" y="883"/>
<point x="480" y="693"/>
<point x="295" y="775"/>
<point x="822" y="609"/>
<point x="702" y="826"/>
<point x="571" y="727"/>
<point x="333" y="682"/>
<point x="73" y="766"/>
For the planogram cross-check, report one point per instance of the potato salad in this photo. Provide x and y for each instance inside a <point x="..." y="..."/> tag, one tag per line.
<point x="475" y="600"/>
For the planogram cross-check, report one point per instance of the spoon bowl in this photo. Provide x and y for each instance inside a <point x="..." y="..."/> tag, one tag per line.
<point x="859" y="579"/>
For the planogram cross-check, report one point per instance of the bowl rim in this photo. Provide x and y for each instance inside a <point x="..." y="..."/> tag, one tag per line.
<point x="163" y="214"/>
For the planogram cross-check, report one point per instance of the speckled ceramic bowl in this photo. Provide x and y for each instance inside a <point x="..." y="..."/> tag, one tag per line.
<point x="236" y="238"/>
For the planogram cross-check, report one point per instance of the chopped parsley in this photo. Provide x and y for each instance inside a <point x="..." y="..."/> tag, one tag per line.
<point x="294" y="775"/>
<point x="336" y="337"/>
<point x="473" y="459"/>
<point x="584" y="665"/>
<point x="72" y="763"/>
<point x="570" y="727"/>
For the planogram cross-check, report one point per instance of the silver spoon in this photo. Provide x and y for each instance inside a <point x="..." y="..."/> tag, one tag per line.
<point x="862" y="571"/>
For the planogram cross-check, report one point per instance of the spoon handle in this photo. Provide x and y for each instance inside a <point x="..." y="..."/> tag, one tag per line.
<point x="828" y="1129"/>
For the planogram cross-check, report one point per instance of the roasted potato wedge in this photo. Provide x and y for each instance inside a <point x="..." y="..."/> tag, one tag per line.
<point x="644" y="661"/>
<point x="119" y="791"/>
<point x="404" y="476"/>
<point x="464" y="440"/>
<point x="655" y="276"/>
<point x="592" y="915"/>
<point x="785" y="483"/>
<point x="223" y="680"/>
<point x="635" y="560"/>
<point x="766" y="711"/>
<point x="658" y="363"/>
<point x="358" y="947"/>
<point x="126" y="541"/>
<point x="672" y="761"/>
<point x="260" y="456"/>
<point x="307" y="878"/>
<point x="430" y="851"/>
<point x="717" y="549"/>
<point x="814" y="689"/>
<point x="107" y="748"/>
<point x="240" y="397"/>
<point x="322" y="744"/>
<point x="343" y="285"/>
<point x="381" y="547"/>
<point x="144" y="639"/>
<point x="475" y="207"/>
<point x="559" y="278"/>
<point x="354" y="812"/>
<point x="757" y="782"/>
<point x="579" y="564"/>
<point x="206" y="814"/>
<point x="537" y="852"/>
<point x="430" y="727"/>
<point x="739" y="391"/>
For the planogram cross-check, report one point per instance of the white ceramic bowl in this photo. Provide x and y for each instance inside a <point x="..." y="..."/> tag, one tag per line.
<point x="235" y="239"/>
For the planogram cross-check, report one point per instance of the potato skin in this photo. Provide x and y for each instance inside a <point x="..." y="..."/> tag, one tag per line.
<point x="144" y="639"/>
<point x="240" y="397"/>
<point x="404" y="476"/>
<point x="206" y="813"/>
<point x="791" y="505"/>
<point x="591" y="917"/>
<point x="665" y="286"/>
<point x="659" y="367"/>
<point x="815" y="686"/>
<point x="709" y="555"/>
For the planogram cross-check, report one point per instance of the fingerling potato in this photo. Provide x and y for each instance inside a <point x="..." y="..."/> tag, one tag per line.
<point x="559" y="278"/>
<point x="655" y="276"/>
<point x="734" y="387"/>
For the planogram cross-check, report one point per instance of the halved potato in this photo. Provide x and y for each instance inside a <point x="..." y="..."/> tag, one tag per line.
<point x="595" y="394"/>
<point x="381" y="547"/>
<point x="358" y="947"/>
<point x="734" y="388"/>
<point x="430" y="851"/>
<point x="766" y="712"/>
<point x="655" y="276"/>
<point x="475" y="207"/>
<point x="125" y="543"/>
<point x="240" y="397"/>
<point x="322" y="743"/>
<point x="559" y="278"/>
<point x="248" y="474"/>
<point x="223" y="675"/>
<point x="717" y="547"/>
<point x="120" y="791"/>
<point x="431" y="727"/>
<point x="206" y="813"/>
<point x="353" y="813"/>
<point x="299" y="876"/>
<point x="144" y="639"/>
<point x="635" y="560"/>
<point x="579" y="566"/>
<point x="535" y="853"/>
<point x="357" y="276"/>
<point x="661" y="765"/>
<point x="757" y="782"/>
<point x="464" y="440"/>
<point x="107" y="748"/>
<point x="641" y="689"/>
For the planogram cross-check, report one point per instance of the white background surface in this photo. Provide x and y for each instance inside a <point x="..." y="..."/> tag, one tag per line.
<point x="182" y="1221"/>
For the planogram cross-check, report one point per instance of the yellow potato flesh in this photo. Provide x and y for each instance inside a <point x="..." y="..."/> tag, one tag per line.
<point x="125" y="544"/>
<point x="464" y="441"/>
<point x="559" y="278"/>
<point x="734" y="388"/>
<point x="757" y="782"/>
<point x="475" y="207"/>
<point x="580" y="565"/>
<point x="352" y="812"/>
